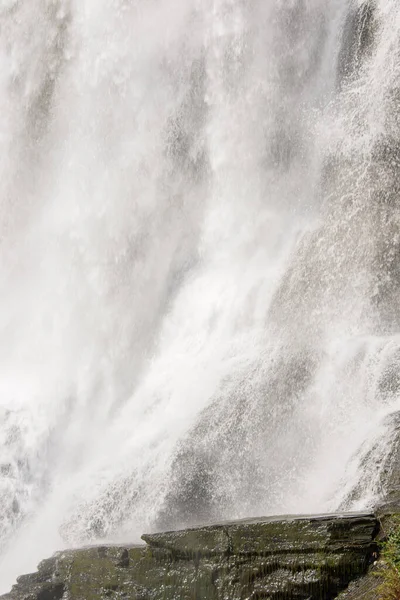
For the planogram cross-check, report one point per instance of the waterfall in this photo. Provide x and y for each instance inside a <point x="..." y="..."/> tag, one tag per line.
<point x="199" y="245"/>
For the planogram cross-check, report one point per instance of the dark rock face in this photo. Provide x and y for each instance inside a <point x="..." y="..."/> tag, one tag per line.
<point x="364" y="588"/>
<point x="358" y="38"/>
<point x="295" y="558"/>
<point x="379" y="465"/>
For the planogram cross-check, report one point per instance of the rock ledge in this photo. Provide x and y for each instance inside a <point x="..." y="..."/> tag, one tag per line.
<point x="295" y="557"/>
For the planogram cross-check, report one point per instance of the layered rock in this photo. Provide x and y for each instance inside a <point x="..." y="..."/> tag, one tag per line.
<point x="302" y="558"/>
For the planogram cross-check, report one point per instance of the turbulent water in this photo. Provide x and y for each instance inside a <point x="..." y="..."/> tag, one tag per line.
<point x="199" y="261"/>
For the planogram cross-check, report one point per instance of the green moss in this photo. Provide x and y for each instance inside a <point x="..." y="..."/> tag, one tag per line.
<point x="191" y="542"/>
<point x="389" y="569"/>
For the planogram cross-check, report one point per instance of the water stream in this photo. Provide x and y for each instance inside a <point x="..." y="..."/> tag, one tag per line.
<point x="199" y="246"/>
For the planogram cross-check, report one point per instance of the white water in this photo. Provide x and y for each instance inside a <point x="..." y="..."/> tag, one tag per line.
<point x="198" y="241"/>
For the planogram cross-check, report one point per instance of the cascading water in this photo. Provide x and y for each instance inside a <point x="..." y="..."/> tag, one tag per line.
<point x="199" y="236"/>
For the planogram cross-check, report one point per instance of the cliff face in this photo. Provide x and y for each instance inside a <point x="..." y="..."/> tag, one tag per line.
<point x="297" y="557"/>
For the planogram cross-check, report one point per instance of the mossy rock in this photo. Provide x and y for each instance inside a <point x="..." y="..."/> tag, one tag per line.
<point x="282" y="558"/>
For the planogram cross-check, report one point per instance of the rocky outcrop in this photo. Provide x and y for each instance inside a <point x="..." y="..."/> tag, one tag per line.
<point x="302" y="558"/>
<point x="378" y="463"/>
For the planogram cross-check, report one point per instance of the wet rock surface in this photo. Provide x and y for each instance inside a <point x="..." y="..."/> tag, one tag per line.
<point x="364" y="588"/>
<point x="277" y="558"/>
<point x="379" y="468"/>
